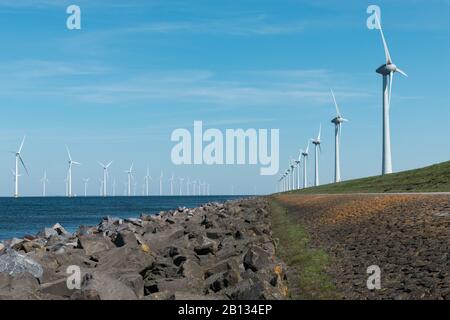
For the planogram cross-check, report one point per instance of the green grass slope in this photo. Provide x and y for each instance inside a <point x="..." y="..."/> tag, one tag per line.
<point x="435" y="178"/>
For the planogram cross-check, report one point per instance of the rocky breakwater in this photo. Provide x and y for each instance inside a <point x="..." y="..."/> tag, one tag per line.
<point x="216" y="251"/>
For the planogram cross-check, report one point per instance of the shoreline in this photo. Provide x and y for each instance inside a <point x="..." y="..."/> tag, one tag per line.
<point x="214" y="251"/>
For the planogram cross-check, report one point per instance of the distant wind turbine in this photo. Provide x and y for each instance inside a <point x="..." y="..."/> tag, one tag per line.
<point x="337" y="121"/>
<point x="387" y="69"/>
<point x="147" y="181"/>
<point x="69" y="181"/>
<point x="171" y="179"/>
<point x="316" y="142"/>
<point x="305" y="165"/>
<point x="105" y="176"/>
<point x="188" y="183"/>
<point x="44" y="181"/>
<point x="181" y="185"/>
<point x="86" y="181"/>
<point x="16" y="173"/>
<point x="130" y="176"/>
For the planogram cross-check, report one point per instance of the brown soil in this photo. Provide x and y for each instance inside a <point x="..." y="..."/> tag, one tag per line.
<point x="407" y="236"/>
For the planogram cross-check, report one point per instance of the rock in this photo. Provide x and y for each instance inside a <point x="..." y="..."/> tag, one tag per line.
<point x="207" y="246"/>
<point x="14" y="263"/>
<point x="2" y="246"/>
<point x="125" y="238"/>
<point x="57" y="288"/>
<point x="127" y="258"/>
<point x="133" y="281"/>
<point x="94" y="243"/>
<point x="22" y="286"/>
<point x="60" y="230"/>
<point x="29" y="246"/>
<point x="256" y="259"/>
<point x="47" y="233"/>
<point x="159" y="241"/>
<point x="103" y="286"/>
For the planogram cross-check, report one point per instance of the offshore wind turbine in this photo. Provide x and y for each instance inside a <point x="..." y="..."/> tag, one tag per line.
<point x="188" y="183"/>
<point x="18" y="157"/>
<point x="105" y="176"/>
<point x="194" y="187"/>
<point x="171" y="179"/>
<point x="44" y="181"/>
<point x="316" y="142"/>
<point x="69" y="178"/>
<point x="86" y="181"/>
<point x="387" y="70"/>
<point x="337" y="121"/>
<point x="305" y="165"/>
<point x="147" y="180"/>
<point x="181" y="185"/>
<point x="130" y="176"/>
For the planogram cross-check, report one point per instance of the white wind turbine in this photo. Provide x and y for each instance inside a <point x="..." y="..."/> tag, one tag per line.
<point x="105" y="177"/>
<point x="387" y="69"/>
<point x="181" y="185"/>
<point x="188" y="183"/>
<point x="16" y="173"/>
<point x="316" y="142"/>
<point x="129" y="176"/>
<point x="147" y="181"/>
<point x="292" y="166"/>
<point x="298" y="165"/>
<point x="69" y="177"/>
<point x="161" y="184"/>
<point x="305" y="165"/>
<point x="86" y="181"/>
<point x="44" y="181"/>
<point x="171" y="179"/>
<point x="337" y="121"/>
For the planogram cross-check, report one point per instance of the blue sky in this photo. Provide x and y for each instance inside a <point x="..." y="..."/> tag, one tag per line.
<point x="137" y="70"/>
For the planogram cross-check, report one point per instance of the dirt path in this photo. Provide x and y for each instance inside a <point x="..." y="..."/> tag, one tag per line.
<point x="407" y="236"/>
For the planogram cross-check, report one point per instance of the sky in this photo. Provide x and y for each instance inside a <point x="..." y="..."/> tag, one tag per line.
<point x="138" y="70"/>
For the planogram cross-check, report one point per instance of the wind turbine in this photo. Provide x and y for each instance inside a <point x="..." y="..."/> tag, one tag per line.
<point x="86" y="181"/>
<point x="130" y="176"/>
<point x="298" y="165"/>
<point x="69" y="180"/>
<point x="44" y="181"/>
<point x="194" y="187"/>
<point x="305" y="164"/>
<point x="16" y="173"/>
<point x="316" y="142"/>
<point x="161" y="184"/>
<point x="101" y="187"/>
<point x="337" y="121"/>
<point x="171" y="179"/>
<point x="292" y="166"/>
<point x="188" y="183"/>
<point x="105" y="176"/>
<point x="181" y="185"/>
<point x="147" y="179"/>
<point x="387" y="69"/>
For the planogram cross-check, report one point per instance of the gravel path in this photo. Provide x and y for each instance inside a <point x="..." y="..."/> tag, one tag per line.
<point x="407" y="236"/>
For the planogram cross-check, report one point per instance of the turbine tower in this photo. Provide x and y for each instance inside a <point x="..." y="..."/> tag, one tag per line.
<point x="171" y="179"/>
<point x="387" y="70"/>
<point x="305" y="164"/>
<point x="292" y="166"/>
<point x="44" y="181"/>
<point x="130" y="176"/>
<point x="298" y="165"/>
<point x="337" y="121"/>
<point x="181" y="185"/>
<point x="147" y="180"/>
<point x="69" y="177"/>
<point x="16" y="173"/>
<point x="188" y="183"/>
<point x="86" y="181"/>
<point x="105" y="176"/>
<point x="316" y="142"/>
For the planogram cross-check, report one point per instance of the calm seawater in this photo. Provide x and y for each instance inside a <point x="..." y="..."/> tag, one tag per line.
<point x="22" y="216"/>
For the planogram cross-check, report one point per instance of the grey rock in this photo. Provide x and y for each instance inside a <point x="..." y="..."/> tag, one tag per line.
<point x="14" y="263"/>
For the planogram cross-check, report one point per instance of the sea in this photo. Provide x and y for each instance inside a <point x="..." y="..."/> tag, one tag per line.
<point x="29" y="215"/>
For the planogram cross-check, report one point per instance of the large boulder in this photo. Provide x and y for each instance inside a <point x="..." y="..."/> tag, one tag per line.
<point x="14" y="263"/>
<point x="94" y="243"/>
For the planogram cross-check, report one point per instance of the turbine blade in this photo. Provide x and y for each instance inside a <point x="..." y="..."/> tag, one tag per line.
<point x="23" y="164"/>
<point x="386" y="49"/>
<point x="335" y="104"/>
<point x="68" y="152"/>
<point x="101" y="164"/>
<point x="77" y="163"/>
<point x="110" y="163"/>
<point x="320" y="132"/>
<point x="402" y="72"/>
<point x="21" y="145"/>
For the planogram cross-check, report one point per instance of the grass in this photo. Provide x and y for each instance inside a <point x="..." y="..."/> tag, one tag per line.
<point x="435" y="178"/>
<point x="306" y="266"/>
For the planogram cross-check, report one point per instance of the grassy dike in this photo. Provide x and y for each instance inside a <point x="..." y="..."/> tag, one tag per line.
<point x="307" y="276"/>
<point x="435" y="178"/>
